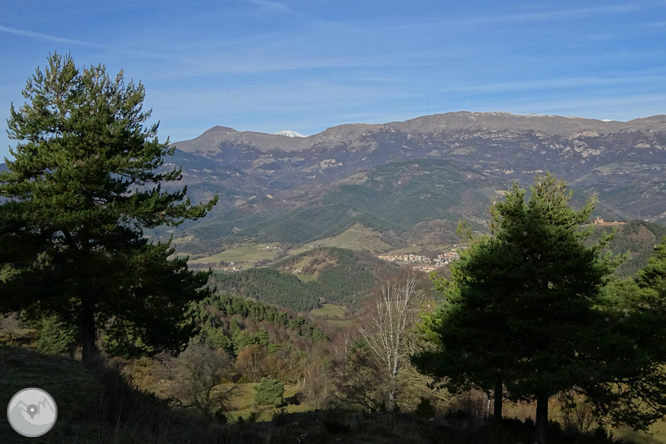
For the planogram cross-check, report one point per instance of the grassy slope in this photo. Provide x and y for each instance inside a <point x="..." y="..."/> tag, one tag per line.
<point x="64" y="379"/>
<point x="330" y="310"/>
<point x="357" y="237"/>
<point x="242" y="254"/>
<point x="94" y="406"/>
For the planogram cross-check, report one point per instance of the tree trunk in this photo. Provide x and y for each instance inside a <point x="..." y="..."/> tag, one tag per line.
<point x="88" y="333"/>
<point x="498" y="397"/>
<point x="391" y="401"/>
<point x="541" y="419"/>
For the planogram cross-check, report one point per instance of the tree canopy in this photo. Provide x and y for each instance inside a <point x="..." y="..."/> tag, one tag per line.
<point x="85" y="182"/>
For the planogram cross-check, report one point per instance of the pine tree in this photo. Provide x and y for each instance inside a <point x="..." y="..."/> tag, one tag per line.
<point x="636" y="339"/>
<point x="523" y="304"/>
<point x="269" y="392"/>
<point x="55" y="338"/>
<point x="84" y="184"/>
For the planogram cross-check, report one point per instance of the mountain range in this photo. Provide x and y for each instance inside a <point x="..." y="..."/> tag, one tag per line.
<point x="411" y="181"/>
<point x="369" y="173"/>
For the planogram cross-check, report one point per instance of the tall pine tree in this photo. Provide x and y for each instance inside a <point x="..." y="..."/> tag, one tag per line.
<point x="84" y="184"/>
<point x="522" y="305"/>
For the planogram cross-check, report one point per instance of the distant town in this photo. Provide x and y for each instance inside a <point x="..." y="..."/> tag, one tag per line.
<point x="424" y="263"/>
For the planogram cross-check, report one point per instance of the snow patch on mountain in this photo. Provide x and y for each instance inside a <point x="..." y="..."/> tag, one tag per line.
<point x="289" y="133"/>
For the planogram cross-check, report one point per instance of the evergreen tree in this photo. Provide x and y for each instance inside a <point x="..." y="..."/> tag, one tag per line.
<point x="56" y="338"/>
<point x="85" y="183"/>
<point x="524" y="303"/>
<point x="636" y="395"/>
<point x="653" y="277"/>
<point x="269" y="392"/>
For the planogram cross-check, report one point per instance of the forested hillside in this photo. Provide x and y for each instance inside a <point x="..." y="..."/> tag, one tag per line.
<point x="233" y="323"/>
<point x="395" y="198"/>
<point x="637" y="239"/>
<point x="309" y="279"/>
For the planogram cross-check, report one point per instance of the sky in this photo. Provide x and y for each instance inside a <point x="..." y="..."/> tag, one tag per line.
<point x="307" y="65"/>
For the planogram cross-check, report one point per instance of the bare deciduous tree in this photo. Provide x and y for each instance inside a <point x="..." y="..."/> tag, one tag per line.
<point x="360" y="380"/>
<point x="197" y="374"/>
<point x="251" y="361"/>
<point x="317" y="386"/>
<point x="10" y="325"/>
<point x="392" y="315"/>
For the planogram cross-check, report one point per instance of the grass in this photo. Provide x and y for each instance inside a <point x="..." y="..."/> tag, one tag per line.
<point x="655" y="434"/>
<point x="418" y="249"/>
<point x="334" y="314"/>
<point x="246" y="253"/>
<point x="358" y="237"/>
<point x="306" y="277"/>
<point x="243" y="404"/>
<point x="330" y="310"/>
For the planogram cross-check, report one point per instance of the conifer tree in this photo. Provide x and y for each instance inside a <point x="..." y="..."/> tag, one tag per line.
<point x="85" y="182"/>
<point x="523" y="303"/>
<point x="636" y="320"/>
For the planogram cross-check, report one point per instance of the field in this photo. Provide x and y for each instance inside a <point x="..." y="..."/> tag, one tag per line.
<point x="418" y="249"/>
<point x="331" y="311"/>
<point x="242" y="254"/>
<point x="357" y="237"/>
<point x="335" y="315"/>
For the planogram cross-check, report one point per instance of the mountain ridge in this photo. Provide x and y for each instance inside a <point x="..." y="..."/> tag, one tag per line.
<point x="623" y="162"/>
<point x="460" y="120"/>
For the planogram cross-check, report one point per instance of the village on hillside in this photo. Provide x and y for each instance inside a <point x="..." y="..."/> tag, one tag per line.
<point x="423" y="263"/>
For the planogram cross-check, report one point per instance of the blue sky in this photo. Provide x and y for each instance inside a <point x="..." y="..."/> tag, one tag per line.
<point x="307" y="65"/>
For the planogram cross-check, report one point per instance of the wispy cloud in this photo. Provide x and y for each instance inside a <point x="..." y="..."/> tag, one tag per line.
<point x="277" y="6"/>
<point x="559" y="83"/>
<point x="553" y="15"/>
<point x="58" y="39"/>
<point x="272" y="5"/>
<point x="48" y="37"/>
<point x="620" y="107"/>
<point x="538" y="16"/>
